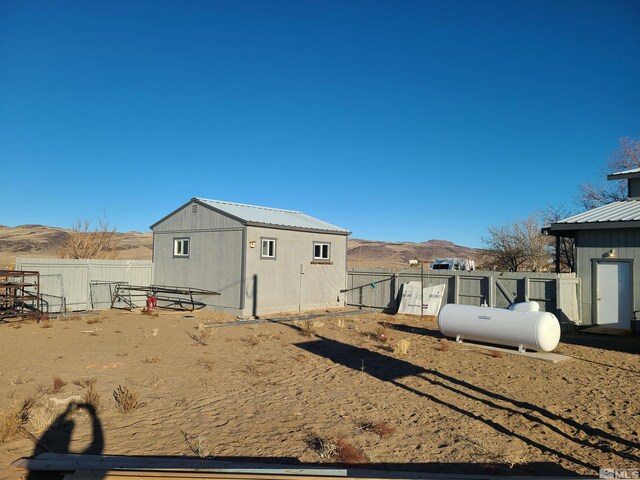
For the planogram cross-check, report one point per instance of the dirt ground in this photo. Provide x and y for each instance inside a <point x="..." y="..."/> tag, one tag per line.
<point x="371" y="389"/>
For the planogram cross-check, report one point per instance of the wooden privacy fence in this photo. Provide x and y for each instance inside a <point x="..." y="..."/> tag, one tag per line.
<point x="78" y="277"/>
<point x="558" y="293"/>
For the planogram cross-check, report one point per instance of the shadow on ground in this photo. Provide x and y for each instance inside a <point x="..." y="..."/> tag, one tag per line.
<point x="436" y="386"/>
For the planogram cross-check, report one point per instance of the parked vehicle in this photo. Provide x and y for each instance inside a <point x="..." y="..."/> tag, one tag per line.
<point x="462" y="264"/>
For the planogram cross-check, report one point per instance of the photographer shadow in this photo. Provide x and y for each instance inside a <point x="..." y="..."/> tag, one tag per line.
<point x="57" y="438"/>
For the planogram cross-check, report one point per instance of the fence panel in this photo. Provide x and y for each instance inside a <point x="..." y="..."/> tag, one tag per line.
<point x="379" y="289"/>
<point x="77" y="275"/>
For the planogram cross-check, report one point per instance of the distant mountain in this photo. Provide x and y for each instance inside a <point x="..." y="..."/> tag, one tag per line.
<point x="375" y="254"/>
<point x="44" y="242"/>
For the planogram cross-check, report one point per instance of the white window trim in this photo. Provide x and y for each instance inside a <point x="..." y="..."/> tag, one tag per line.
<point x="275" y="246"/>
<point x="321" y="258"/>
<point x="181" y="241"/>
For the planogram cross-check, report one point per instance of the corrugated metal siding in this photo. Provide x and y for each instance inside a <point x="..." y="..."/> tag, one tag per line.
<point x="77" y="274"/>
<point x="272" y="216"/>
<point x="624" y="211"/>
<point x="593" y="244"/>
<point x="203" y="219"/>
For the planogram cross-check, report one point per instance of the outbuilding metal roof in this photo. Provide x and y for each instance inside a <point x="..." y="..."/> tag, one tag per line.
<point x="256" y="215"/>
<point x="623" y="211"/>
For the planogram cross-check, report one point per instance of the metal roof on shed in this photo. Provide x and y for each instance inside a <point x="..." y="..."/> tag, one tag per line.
<point x="623" y="211"/>
<point x="257" y="215"/>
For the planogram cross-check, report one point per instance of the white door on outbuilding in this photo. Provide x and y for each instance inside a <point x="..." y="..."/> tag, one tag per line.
<point x="614" y="295"/>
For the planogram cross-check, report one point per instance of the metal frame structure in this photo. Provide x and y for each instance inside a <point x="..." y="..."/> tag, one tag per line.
<point x="20" y="296"/>
<point x="167" y="295"/>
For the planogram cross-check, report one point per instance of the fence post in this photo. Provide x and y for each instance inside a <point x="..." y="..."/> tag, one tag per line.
<point x="395" y="289"/>
<point x="456" y="288"/>
<point x="492" y="291"/>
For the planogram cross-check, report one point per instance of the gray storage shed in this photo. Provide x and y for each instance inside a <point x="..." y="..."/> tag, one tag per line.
<point x="261" y="260"/>
<point x="608" y="256"/>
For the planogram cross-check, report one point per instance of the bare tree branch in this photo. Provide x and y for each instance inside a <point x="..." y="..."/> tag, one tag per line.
<point x="519" y="246"/>
<point x="84" y="242"/>
<point x="626" y="157"/>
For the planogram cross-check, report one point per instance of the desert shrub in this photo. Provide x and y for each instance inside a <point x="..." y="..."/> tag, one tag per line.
<point x="496" y="354"/>
<point x="401" y="347"/>
<point x="348" y="453"/>
<point x="85" y="382"/>
<point x="92" y="397"/>
<point x="12" y="422"/>
<point x="324" y="447"/>
<point x="444" y="345"/>
<point x="383" y="429"/>
<point x="151" y="360"/>
<point x="307" y="329"/>
<point x="126" y="398"/>
<point x="58" y="385"/>
<point x="42" y="418"/>
<point x="94" y="320"/>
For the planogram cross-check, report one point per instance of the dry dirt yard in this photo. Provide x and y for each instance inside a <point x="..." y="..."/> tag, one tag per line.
<point x="381" y="390"/>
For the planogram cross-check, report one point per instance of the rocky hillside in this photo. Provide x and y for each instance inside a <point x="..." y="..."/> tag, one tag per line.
<point x="374" y="254"/>
<point x="42" y="241"/>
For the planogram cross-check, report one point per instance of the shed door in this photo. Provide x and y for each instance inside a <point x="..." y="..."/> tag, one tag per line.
<point x="613" y="294"/>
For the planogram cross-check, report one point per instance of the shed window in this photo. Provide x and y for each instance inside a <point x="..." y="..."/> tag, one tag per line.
<point x="180" y="247"/>
<point x="321" y="251"/>
<point x="268" y="248"/>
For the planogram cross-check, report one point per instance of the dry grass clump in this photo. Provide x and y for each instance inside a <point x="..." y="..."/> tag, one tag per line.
<point x="496" y="354"/>
<point x="94" y="320"/>
<point x="383" y="429"/>
<point x="85" y="382"/>
<point x="92" y="397"/>
<point x="381" y="334"/>
<point x="308" y="328"/>
<point x="348" y="453"/>
<point x="58" y="385"/>
<point x="126" y="398"/>
<point x="198" y="445"/>
<point x="46" y="324"/>
<point x="12" y="422"/>
<point x="336" y="449"/>
<point x="151" y="360"/>
<point x="444" y="345"/>
<point x="42" y="418"/>
<point x="202" y="336"/>
<point x="401" y="347"/>
<point x="324" y="447"/>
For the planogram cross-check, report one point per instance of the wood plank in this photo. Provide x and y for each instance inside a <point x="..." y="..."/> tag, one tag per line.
<point x="303" y="472"/>
<point x="70" y="462"/>
<point x="354" y="475"/>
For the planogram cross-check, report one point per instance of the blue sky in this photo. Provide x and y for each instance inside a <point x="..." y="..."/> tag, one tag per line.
<point x="399" y="120"/>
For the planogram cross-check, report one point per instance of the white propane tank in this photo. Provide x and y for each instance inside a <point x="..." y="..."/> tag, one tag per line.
<point x="525" y="330"/>
<point x="525" y="307"/>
